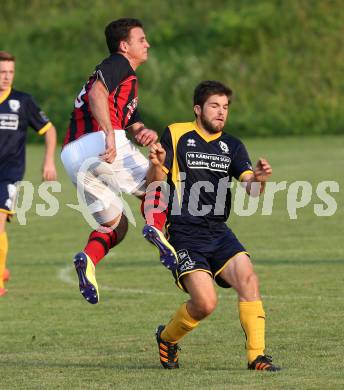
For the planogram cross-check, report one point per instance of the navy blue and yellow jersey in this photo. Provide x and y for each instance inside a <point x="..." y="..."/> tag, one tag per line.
<point x="18" y="110"/>
<point x="199" y="171"/>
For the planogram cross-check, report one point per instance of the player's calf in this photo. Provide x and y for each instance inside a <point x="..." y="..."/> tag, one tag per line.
<point x="100" y="242"/>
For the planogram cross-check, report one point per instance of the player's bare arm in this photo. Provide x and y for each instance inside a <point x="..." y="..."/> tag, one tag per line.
<point x="142" y="135"/>
<point x="49" y="169"/>
<point x="157" y="155"/>
<point x="261" y="174"/>
<point x="98" y="99"/>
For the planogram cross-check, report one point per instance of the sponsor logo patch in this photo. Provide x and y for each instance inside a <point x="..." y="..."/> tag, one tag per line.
<point x="9" y="122"/>
<point x="213" y="162"/>
<point x="185" y="262"/>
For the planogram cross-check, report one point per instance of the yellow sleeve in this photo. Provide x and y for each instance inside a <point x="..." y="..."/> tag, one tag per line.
<point x="245" y="173"/>
<point x="45" y="128"/>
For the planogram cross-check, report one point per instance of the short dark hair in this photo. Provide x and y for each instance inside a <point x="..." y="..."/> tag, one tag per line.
<point x="6" y="56"/>
<point x="118" y="31"/>
<point x="208" y="88"/>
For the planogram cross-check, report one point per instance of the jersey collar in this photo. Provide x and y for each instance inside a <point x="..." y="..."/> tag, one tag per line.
<point x="5" y="95"/>
<point x="206" y="137"/>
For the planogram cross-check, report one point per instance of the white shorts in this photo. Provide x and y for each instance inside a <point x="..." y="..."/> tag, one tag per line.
<point x="102" y="183"/>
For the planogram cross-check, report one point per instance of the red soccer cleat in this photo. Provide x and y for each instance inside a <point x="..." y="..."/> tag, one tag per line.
<point x="3" y="291"/>
<point x="6" y="275"/>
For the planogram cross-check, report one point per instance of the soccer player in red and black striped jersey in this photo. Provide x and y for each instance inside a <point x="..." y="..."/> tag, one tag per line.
<point x="18" y="110"/>
<point x="114" y="89"/>
<point x="97" y="154"/>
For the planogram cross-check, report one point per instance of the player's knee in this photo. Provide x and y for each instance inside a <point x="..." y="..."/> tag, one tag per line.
<point x="249" y="285"/>
<point x="252" y="279"/>
<point x="113" y="223"/>
<point x="206" y="306"/>
<point x="122" y="228"/>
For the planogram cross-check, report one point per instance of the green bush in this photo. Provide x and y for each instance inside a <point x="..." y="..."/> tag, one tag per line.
<point x="283" y="59"/>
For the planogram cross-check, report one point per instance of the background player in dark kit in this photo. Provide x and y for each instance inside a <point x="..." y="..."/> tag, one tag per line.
<point x="18" y="111"/>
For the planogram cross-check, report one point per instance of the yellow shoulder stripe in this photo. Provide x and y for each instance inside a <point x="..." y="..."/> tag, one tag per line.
<point x="45" y="128"/>
<point x="181" y="128"/>
<point x="177" y="130"/>
<point x="5" y="95"/>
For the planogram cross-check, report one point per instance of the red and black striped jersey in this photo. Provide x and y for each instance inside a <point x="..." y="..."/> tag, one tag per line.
<point x="121" y="82"/>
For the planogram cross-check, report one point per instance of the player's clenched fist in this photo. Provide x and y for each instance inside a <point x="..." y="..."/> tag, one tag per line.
<point x="109" y="154"/>
<point x="263" y="170"/>
<point x="146" y="137"/>
<point x="157" y="154"/>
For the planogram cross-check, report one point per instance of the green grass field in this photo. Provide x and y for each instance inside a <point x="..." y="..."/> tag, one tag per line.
<point x="50" y="338"/>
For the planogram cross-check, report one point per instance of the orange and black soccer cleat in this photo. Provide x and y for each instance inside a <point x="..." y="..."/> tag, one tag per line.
<point x="263" y="363"/>
<point x="168" y="352"/>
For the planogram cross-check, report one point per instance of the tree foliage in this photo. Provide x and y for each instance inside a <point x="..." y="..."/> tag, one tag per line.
<point x="283" y="59"/>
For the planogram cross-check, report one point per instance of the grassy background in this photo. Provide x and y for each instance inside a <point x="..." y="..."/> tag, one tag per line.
<point x="52" y="339"/>
<point x="283" y="59"/>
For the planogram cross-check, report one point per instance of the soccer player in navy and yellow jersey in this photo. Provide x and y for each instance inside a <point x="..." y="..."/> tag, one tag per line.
<point x="200" y="161"/>
<point x="18" y="110"/>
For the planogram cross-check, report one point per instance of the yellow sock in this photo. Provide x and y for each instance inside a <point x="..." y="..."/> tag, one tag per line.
<point x="252" y="318"/>
<point x="3" y="256"/>
<point x="181" y="324"/>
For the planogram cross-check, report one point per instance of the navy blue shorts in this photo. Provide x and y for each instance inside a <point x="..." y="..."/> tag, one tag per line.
<point x="206" y="249"/>
<point x="8" y="192"/>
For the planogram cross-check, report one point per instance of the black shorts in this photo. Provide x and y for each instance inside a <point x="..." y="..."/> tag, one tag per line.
<point x="206" y="249"/>
<point x="8" y="192"/>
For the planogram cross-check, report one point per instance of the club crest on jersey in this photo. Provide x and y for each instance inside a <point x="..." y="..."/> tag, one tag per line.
<point x="14" y="105"/>
<point x="44" y="116"/>
<point x="224" y="147"/>
<point x="191" y="142"/>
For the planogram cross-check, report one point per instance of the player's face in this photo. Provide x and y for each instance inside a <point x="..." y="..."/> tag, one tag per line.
<point x="214" y="113"/>
<point x="137" y="45"/>
<point x="6" y="75"/>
